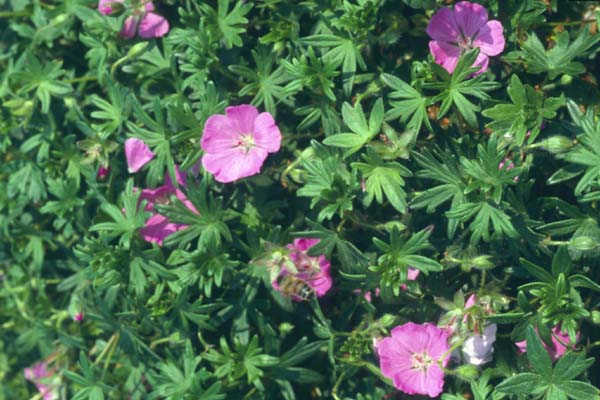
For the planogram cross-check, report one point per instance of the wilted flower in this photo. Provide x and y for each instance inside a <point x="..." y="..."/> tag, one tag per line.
<point x="410" y="358"/>
<point x="158" y="227"/>
<point x="462" y="29"/>
<point x="45" y="381"/>
<point x="236" y="144"/>
<point x="142" y="19"/>
<point x="137" y="153"/>
<point x="560" y="343"/>
<point x="312" y="272"/>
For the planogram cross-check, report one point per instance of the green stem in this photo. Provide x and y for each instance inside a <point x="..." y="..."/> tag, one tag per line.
<point x="10" y="14"/>
<point x="81" y="79"/>
<point x="337" y="384"/>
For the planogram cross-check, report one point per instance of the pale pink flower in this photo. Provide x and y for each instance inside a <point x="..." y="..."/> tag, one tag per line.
<point x="236" y="144"/>
<point x="560" y="343"/>
<point x="158" y="227"/>
<point x="465" y="27"/>
<point x="412" y="275"/>
<point x="478" y="349"/>
<point x="137" y="153"/>
<point x="142" y="20"/>
<point x="410" y="358"/>
<point x="46" y="383"/>
<point x="312" y="271"/>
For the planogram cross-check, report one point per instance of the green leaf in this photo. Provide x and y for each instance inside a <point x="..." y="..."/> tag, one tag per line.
<point x="383" y="178"/>
<point x="580" y="390"/>
<point x="526" y="384"/>
<point x="571" y="365"/>
<point x="538" y="356"/>
<point x="411" y="107"/>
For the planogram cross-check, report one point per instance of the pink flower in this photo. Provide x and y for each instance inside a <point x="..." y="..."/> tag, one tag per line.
<point x="410" y="358"/>
<point x="103" y="172"/>
<point x="158" y="227"/>
<point x="560" y="343"/>
<point x="78" y="317"/>
<point x="412" y="275"/>
<point x="137" y="153"/>
<point x="236" y="144"/>
<point x="142" y="19"/>
<point x="46" y="383"/>
<point x="508" y="165"/>
<point x="313" y="272"/>
<point x="464" y="28"/>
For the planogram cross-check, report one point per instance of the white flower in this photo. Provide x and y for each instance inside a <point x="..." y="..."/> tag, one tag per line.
<point x="478" y="349"/>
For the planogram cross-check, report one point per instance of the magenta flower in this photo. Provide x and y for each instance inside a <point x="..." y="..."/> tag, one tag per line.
<point x="461" y="29"/>
<point x="313" y="272"/>
<point x="103" y="172"/>
<point x="158" y="227"/>
<point x="142" y="20"/>
<point x="410" y="358"/>
<point x="236" y="144"/>
<point x="137" y="153"/>
<point x="560" y="343"/>
<point x="46" y="383"/>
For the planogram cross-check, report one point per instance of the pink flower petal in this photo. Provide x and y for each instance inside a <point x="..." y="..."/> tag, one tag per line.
<point x="137" y="153"/>
<point x="266" y="133"/>
<point x="231" y="165"/>
<point x="219" y="134"/>
<point x="470" y="17"/>
<point x="482" y="62"/>
<point x="303" y="244"/>
<point x="442" y="26"/>
<point x="153" y="26"/>
<point x="129" y="27"/>
<point x="490" y="38"/>
<point x="158" y="228"/>
<point x="105" y="6"/>
<point x="445" y="54"/>
<point x="242" y="118"/>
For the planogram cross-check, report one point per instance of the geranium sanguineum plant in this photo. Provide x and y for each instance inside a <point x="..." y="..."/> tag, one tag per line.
<point x="44" y="379"/>
<point x="236" y="144"/>
<point x="454" y="31"/>
<point x="142" y="19"/>
<point x="410" y="356"/>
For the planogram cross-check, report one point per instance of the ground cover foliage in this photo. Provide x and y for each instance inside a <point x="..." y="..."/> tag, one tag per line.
<point x="424" y="187"/>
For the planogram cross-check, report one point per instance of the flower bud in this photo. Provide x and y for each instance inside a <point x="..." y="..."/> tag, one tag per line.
<point x="557" y="144"/>
<point x="137" y="49"/>
<point x="467" y="372"/>
<point x="583" y="243"/>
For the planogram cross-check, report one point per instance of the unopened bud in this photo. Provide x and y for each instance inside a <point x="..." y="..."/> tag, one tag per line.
<point x="557" y="144"/>
<point x="137" y="49"/>
<point x="467" y="372"/>
<point x="482" y="262"/>
<point x="583" y="243"/>
<point x="566" y="79"/>
<point x="596" y="317"/>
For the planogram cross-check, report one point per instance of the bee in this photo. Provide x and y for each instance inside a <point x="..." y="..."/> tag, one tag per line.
<point x="294" y="287"/>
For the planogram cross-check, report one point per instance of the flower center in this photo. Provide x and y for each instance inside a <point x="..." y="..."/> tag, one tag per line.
<point x="421" y="361"/>
<point x="246" y="142"/>
<point x="465" y="42"/>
